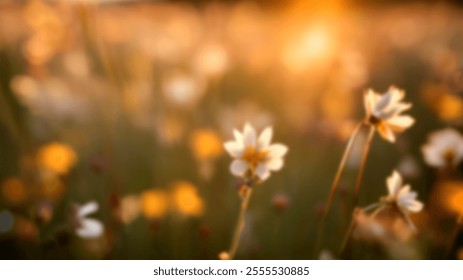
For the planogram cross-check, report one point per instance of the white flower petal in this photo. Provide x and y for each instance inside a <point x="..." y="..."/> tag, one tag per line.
<point x="235" y="149"/>
<point x="382" y="103"/>
<point x="397" y="94"/>
<point x="414" y="206"/>
<point x="386" y="132"/>
<point x="238" y="136"/>
<point x="90" y="228"/>
<point x="249" y="135"/>
<point x="262" y="172"/>
<point x="265" y="138"/>
<point x="87" y="209"/>
<point x="277" y="151"/>
<point x="404" y="192"/>
<point x="369" y="101"/>
<point x="238" y="167"/>
<point x="401" y="122"/>
<point x="394" y="182"/>
<point x="274" y="164"/>
<point x="433" y="156"/>
<point x="439" y="144"/>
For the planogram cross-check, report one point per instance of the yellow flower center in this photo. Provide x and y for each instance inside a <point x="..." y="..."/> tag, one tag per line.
<point x="253" y="157"/>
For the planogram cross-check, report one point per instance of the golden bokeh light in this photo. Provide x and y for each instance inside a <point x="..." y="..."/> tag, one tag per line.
<point x="14" y="191"/>
<point x="56" y="157"/>
<point x="186" y="200"/>
<point x="154" y="204"/>
<point x="206" y="144"/>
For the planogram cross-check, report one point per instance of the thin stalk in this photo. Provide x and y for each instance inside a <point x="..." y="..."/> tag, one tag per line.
<point x="240" y="224"/>
<point x="346" y="238"/>
<point x="342" y="164"/>
<point x="366" y="150"/>
<point x="454" y="235"/>
<point x="334" y="186"/>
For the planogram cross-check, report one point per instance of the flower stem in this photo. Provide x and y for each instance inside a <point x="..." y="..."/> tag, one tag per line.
<point x="334" y="186"/>
<point x="454" y="235"/>
<point x="240" y="224"/>
<point x="346" y="238"/>
<point x="366" y="150"/>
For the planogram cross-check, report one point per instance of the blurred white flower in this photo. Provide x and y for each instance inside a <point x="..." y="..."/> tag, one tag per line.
<point x="87" y="227"/>
<point x="254" y="155"/>
<point x="383" y="112"/>
<point x="402" y="197"/>
<point x="182" y="89"/>
<point x="444" y="148"/>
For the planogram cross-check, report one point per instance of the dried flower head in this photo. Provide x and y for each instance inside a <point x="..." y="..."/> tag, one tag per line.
<point x="254" y="155"/>
<point x="384" y="112"/>
<point x="444" y="148"/>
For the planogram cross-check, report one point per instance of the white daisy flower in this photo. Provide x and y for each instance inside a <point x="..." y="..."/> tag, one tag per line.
<point x="444" y="148"/>
<point x="384" y="112"/>
<point x="402" y="197"/>
<point x="87" y="227"/>
<point x="253" y="154"/>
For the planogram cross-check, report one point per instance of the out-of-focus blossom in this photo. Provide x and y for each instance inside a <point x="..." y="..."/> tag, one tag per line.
<point x="402" y="197"/>
<point x="280" y="201"/>
<point x="129" y="208"/>
<point x="50" y="98"/>
<point x="170" y="130"/>
<point x="446" y="104"/>
<point x="6" y="221"/>
<point x="253" y="154"/>
<point x="87" y="227"/>
<point x="186" y="200"/>
<point x="409" y="167"/>
<point x="450" y="108"/>
<point x="206" y="144"/>
<point x="444" y="148"/>
<point x="326" y="255"/>
<point x="14" y="191"/>
<point x="56" y="157"/>
<point x="455" y="198"/>
<point x="211" y="60"/>
<point x="44" y="211"/>
<point x="368" y="228"/>
<point x="387" y="231"/>
<point x="384" y="112"/>
<point x="48" y="32"/>
<point x="154" y="204"/>
<point x="448" y="195"/>
<point x="182" y="90"/>
<point x="224" y="256"/>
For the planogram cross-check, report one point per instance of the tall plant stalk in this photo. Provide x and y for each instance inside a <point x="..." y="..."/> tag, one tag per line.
<point x="363" y="162"/>
<point x="240" y="223"/>
<point x="335" y="184"/>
